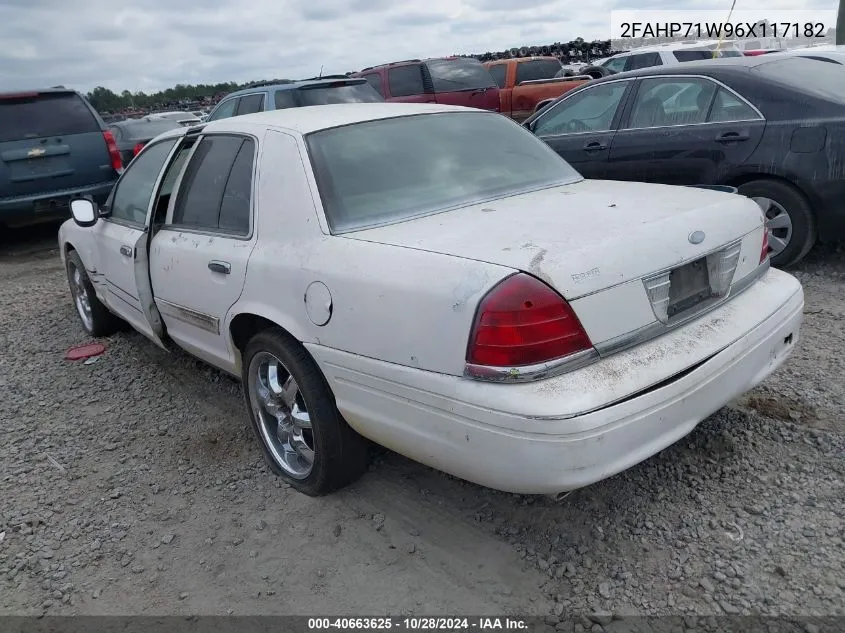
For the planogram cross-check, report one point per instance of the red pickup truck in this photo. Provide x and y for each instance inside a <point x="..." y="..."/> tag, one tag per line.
<point x="526" y="82"/>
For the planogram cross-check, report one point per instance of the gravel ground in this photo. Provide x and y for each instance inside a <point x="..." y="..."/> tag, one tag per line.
<point x="132" y="485"/>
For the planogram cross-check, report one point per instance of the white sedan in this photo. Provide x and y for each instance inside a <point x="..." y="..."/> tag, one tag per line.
<point x="437" y="280"/>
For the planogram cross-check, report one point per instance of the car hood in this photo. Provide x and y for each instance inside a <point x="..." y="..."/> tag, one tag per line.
<point x="582" y="237"/>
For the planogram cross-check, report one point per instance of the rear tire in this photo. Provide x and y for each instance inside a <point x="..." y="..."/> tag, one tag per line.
<point x="789" y="218"/>
<point x="302" y="435"/>
<point x="95" y="317"/>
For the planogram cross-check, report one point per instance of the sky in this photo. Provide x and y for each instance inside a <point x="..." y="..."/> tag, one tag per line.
<point x="149" y="45"/>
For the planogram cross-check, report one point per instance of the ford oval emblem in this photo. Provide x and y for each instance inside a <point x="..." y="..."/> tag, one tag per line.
<point x="696" y="237"/>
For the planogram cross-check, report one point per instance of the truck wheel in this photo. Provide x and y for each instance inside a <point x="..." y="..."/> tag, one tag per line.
<point x="95" y="317"/>
<point x="596" y="72"/>
<point x="302" y="435"/>
<point x="789" y="219"/>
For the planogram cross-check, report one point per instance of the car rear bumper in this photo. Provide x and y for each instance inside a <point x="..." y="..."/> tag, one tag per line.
<point x="48" y="206"/>
<point x="475" y="431"/>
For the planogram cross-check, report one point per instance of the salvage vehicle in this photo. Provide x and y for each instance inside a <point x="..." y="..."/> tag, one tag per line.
<point x="439" y="281"/>
<point x="53" y="145"/>
<point x="461" y="81"/>
<point x="528" y="83"/>
<point x="280" y="94"/>
<point x="131" y="135"/>
<point x="669" y="54"/>
<point x="772" y="125"/>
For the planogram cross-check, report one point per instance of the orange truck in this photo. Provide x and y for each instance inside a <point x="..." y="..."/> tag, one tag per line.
<point x="527" y="82"/>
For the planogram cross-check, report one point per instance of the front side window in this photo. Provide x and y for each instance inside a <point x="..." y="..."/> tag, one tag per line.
<point x="616" y="65"/>
<point x="224" y="110"/>
<point x="499" y="73"/>
<point x="589" y="110"/>
<point x="217" y="181"/>
<point x="667" y="102"/>
<point x="394" y="169"/>
<point x="135" y="189"/>
<point x="374" y="79"/>
<point x="405" y="81"/>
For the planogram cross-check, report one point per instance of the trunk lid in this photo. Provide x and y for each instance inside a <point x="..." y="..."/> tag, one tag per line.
<point x="583" y="237"/>
<point x="49" y="141"/>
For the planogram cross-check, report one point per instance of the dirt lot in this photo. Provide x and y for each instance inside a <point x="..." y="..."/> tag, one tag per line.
<point x="133" y="485"/>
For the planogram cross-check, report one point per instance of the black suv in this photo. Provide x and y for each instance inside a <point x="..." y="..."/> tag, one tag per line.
<point x="53" y="146"/>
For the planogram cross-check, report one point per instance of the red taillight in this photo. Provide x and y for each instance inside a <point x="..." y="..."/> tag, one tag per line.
<point x="114" y="153"/>
<point x="522" y="321"/>
<point x="764" y="252"/>
<point x="137" y="149"/>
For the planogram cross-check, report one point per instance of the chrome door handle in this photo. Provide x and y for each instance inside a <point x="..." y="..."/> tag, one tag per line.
<point x="126" y="251"/>
<point x="224" y="268"/>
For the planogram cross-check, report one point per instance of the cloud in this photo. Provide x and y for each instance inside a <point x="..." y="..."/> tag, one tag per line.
<point x="154" y="44"/>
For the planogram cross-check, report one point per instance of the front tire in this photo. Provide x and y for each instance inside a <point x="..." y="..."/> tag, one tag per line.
<point x="95" y="317"/>
<point x="302" y="435"/>
<point x="789" y="219"/>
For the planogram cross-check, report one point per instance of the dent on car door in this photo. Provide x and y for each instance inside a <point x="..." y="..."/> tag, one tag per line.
<point x="198" y="257"/>
<point x="581" y="127"/>
<point x="684" y="130"/>
<point x="120" y="240"/>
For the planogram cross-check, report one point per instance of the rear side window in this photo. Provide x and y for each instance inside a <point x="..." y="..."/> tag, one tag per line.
<point x="537" y="69"/>
<point x="251" y="104"/>
<point x="405" y="81"/>
<point x="218" y="177"/>
<point x="643" y="60"/>
<point x="45" y="114"/>
<point x="324" y="94"/>
<point x="374" y="79"/>
<point x="283" y="99"/>
<point x="807" y="75"/>
<point x="499" y="74"/>
<point x="450" y="75"/>
<point x="692" y="56"/>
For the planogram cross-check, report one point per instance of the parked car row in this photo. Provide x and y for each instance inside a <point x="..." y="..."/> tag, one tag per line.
<point x="773" y="126"/>
<point x="445" y="285"/>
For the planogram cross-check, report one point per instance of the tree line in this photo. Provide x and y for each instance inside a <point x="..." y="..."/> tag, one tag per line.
<point x="105" y="100"/>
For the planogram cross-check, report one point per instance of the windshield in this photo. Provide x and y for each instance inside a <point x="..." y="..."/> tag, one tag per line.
<point x="450" y="75"/>
<point x="141" y="130"/>
<point x="338" y="93"/>
<point x="390" y="170"/>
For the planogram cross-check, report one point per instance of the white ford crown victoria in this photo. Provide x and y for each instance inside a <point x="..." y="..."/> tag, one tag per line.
<point x="439" y="281"/>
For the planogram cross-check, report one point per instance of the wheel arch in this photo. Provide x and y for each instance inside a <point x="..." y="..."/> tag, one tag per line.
<point x="250" y="320"/>
<point x="743" y="179"/>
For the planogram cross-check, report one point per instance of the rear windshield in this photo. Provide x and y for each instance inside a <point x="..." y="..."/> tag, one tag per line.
<point x="537" y="69"/>
<point x="389" y="170"/>
<point x="141" y="130"/>
<point x="47" y="114"/>
<point x="338" y="93"/>
<point x="807" y="75"/>
<point x="450" y="75"/>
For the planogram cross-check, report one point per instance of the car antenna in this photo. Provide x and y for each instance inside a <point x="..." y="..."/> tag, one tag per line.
<point x="321" y="71"/>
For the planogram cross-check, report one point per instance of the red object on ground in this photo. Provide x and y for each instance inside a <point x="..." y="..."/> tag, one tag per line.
<point x="85" y="351"/>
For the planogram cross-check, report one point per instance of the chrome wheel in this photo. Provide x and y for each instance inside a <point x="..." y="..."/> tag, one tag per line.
<point x="281" y="414"/>
<point x="778" y="224"/>
<point x="80" y="297"/>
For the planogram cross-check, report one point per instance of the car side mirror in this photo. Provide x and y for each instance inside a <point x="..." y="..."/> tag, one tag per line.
<point x="84" y="211"/>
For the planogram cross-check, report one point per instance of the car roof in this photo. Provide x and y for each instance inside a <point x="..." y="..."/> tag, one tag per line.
<point x="309" y="119"/>
<point x="722" y="65"/>
<point x="281" y="84"/>
<point x="677" y="46"/>
<point x="38" y="91"/>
